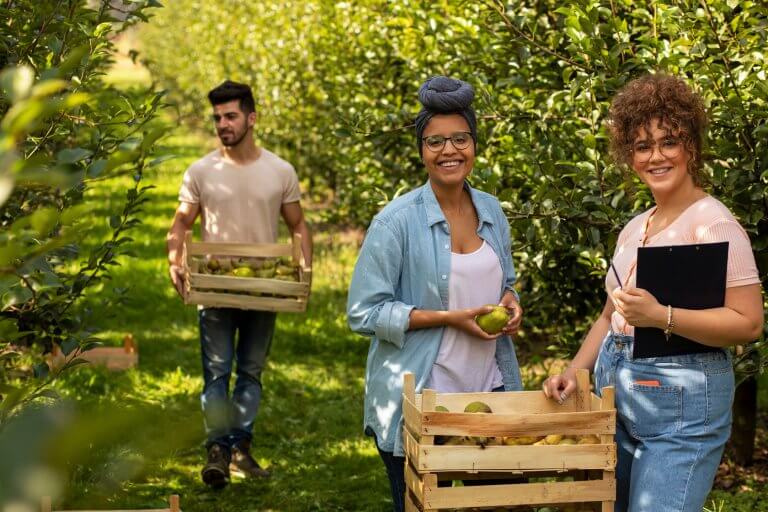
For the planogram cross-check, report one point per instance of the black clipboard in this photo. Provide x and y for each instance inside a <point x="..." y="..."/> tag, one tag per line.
<point x="683" y="276"/>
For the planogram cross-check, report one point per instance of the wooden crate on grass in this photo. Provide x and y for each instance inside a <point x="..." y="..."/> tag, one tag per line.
<point x="256" y="293"/>
<point x="582" y="473"/>
<point x="173" y="506"/>
<point x="114" y="358"/>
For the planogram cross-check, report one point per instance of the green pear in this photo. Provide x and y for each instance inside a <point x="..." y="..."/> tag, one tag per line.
<point x="493" y="322"/>
<point x="243" y="272"/>
<point x="478" y="407"/>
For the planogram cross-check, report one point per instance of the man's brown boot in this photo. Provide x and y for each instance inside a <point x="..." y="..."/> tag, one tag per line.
<point x="216" y="471"/>
<point x="244" y="464"/>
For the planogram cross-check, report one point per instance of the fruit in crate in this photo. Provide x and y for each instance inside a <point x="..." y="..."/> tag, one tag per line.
<point x="493" y="322"/>
<point x="442" y="439"/>
<point x="266" y="273"/>
<point x="242" y="272"/>
<point x="483" y="408"/>
<point x="284" y="270"/>
<point x="590" y="439"/>
<point x="213" y="265"/>
<point x="478" y="407"/>
<point x="553" y="439"/>
<point x="520" y="440"/>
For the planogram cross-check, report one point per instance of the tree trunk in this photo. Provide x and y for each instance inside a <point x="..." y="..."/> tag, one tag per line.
<point x="744" y="422"/>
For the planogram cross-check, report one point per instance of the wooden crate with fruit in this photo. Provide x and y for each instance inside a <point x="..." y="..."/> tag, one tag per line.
<point x="536" y="451"/>
<point x="263" y="277"/>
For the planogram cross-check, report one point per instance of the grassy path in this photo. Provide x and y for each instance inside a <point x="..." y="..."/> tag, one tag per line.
<point x="309" y="428"/>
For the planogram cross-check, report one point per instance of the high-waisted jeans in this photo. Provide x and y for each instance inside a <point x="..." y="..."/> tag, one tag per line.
<point x="669" y="437"/>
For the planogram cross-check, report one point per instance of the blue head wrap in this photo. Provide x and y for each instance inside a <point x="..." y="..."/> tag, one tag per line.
<point x="443" y="95"/>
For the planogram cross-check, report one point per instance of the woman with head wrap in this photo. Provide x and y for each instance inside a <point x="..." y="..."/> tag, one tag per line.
<point x="432" y="260"/>
<point x="674" y="411"/>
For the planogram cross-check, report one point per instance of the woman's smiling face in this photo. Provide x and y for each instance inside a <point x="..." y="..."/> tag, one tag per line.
<point x="660" y="159"/>
<point x="449" y="166"/>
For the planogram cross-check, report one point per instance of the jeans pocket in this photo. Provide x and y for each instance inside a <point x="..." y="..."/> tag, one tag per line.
<point x="654" y="410"/>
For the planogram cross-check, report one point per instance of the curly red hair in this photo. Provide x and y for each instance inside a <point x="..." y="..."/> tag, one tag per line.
<point x="662" y="97"/>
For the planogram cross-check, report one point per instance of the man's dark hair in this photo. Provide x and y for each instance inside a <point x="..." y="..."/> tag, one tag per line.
<point x="228" y="91"/>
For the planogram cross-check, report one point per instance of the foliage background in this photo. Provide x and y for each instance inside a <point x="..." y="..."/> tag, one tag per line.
<point x="337" y="83"/>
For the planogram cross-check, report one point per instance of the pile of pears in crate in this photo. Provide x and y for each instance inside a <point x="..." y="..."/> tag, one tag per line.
<point x="481" y="407"/>
<point x="282" y="268"/>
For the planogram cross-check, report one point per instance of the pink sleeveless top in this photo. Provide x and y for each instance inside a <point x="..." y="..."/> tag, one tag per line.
<point x="706" y="220"/>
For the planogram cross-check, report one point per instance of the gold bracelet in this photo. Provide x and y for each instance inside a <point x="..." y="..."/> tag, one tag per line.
<point x="670" y="323"/>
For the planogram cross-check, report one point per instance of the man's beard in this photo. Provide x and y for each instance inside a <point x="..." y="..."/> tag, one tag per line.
<point x="236" y="141"/>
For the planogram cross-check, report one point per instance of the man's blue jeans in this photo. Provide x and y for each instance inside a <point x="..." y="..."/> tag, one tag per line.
<point x="229" y="419"/>
<point x="673" y="420"/>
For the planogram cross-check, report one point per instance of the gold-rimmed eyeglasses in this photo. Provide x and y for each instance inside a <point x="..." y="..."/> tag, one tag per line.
<point x="669" y="147"/>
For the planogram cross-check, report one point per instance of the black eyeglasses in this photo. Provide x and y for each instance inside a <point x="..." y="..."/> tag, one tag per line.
<point x="436" y="143"/>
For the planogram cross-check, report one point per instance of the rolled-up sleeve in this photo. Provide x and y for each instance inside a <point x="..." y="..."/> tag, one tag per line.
<point x="373" y="309"/>
<point x="506" y="242"/>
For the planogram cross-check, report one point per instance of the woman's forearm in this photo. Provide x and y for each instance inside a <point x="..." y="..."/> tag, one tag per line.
<point x="717" y="327"/>
<point x="424" y="318"/>
<point x="587" y="355"/>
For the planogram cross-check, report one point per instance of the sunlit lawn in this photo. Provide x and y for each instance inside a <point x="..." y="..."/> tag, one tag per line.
<point x="309" y="428"/>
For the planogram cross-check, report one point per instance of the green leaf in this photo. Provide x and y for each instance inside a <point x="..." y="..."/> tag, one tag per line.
<point x="16" y="83"/>
<point x="43" y="221"/>
<point x="48" y="87"/>
<point x="72" y="155"/>
<point x="73" y="59"/>
<point x="69" y="345"/>
<point x="41" y="370"/>
<point x="47" y="393"/>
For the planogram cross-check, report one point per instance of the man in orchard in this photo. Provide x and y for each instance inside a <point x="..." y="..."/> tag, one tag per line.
<point x="239" y="190"/>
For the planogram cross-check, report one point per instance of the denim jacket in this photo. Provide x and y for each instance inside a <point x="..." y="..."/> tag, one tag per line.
<point x="404" y="263"/>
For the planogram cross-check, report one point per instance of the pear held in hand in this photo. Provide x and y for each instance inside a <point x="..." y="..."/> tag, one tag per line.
<point x="493" y="322"/>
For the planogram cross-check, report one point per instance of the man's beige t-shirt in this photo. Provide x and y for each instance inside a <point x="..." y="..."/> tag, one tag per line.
<point x="240" y="203"/>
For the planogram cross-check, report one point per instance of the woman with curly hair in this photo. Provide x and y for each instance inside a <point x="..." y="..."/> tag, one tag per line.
<point x="674" y="412"/>
<point x="431" y="260"/>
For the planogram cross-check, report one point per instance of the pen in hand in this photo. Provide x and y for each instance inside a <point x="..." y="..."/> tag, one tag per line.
<point x="617" y="275"/>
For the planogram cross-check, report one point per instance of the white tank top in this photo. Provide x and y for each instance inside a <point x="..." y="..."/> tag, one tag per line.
<point x="465" y="363"/>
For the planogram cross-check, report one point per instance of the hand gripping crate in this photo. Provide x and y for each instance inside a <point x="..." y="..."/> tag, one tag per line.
<point x="261" y="294"/>
<point x="515" y="414"/>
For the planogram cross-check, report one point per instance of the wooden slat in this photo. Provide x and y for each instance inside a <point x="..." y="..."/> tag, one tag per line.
<point x="225" y="300"/>
<point x="114" y="358"/>
<point x="519" y="494"/>
<point x="414" y="483"/>
<point x="568" y="423"/>
<point x="433" y="459"/>
<point x="410" y="506"/>
<point x="607" y="404"/>
<point x="239" y="249"/>
<point x="411" y="447"/>
<point x="582" y="394"/>
<point x="411" y="415"/>
<point x="428" y="398"/>
<point x="508" y="402"/>
<point x="125" y="510"/>
<point x="297" y="254"/>
<point x="249" y="284"/>
<point x="595" y="403"/>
